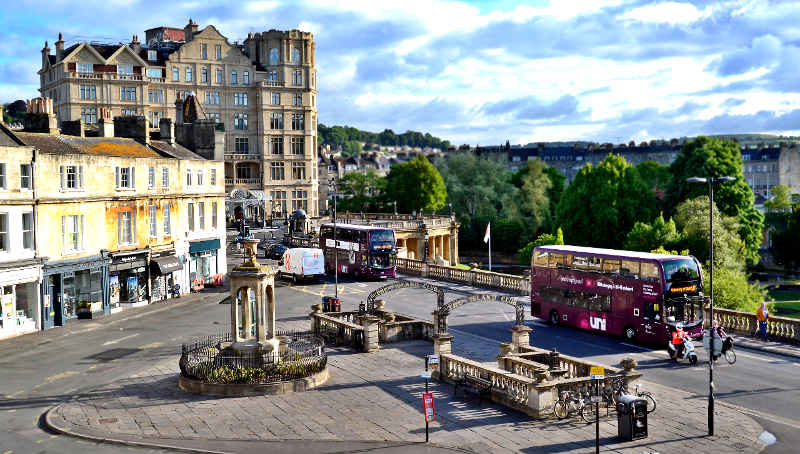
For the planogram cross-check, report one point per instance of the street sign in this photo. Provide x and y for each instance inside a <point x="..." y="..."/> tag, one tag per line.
<point x="426" y="375"/>
<point x="597" y="373"/>
<point x="433" y="362"/>
<point x="427" y="405"/>
<point x="596" y="399"/>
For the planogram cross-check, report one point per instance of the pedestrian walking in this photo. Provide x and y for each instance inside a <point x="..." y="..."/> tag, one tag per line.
<point x="762" y="315"/>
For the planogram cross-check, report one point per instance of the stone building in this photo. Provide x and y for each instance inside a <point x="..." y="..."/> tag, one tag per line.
<point x="262" y="93"/>
<point x="20" y="267"/>
<point x="122" y="217"/>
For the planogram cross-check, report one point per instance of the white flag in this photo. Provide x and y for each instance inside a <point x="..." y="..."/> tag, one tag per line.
<point x="488" y="233"/>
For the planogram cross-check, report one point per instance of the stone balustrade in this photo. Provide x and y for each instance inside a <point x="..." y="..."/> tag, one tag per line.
<point x="507" y="388"/>
<point x="341" y="330"/>
<point x="477" y="278"/>
<point x="745" y="323"/>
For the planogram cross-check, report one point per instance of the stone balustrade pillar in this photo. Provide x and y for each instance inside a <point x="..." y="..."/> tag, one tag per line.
<point x="316" y="310"/>
<point x="541" y="398"/>
<point x="370" y="324"/>
<point x="520" y="336"/>
<point x="631" y="376"/>
<point x="441" y="343"/>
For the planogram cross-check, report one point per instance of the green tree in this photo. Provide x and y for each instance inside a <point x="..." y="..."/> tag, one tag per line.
<point x="543" y="240"/>
<point x="532" y="207"/>
<point x="554" y="188"/>
<point x="656" y="177"/>
<point x="732" y="290"/>
<point x="603" y="202"/>
<point x="352" y="149"/>
<point x="713" y="157"/>
<point x="785" y="244"/>
<point x="781" y="200"/>
<point x="361" y="191"/>
<point x="648" y="236"/>
<point x="691" y="218"/>
<point x="416" y="185"/>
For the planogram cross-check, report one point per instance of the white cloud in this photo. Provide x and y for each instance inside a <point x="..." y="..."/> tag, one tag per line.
<point x="668" y="12"/>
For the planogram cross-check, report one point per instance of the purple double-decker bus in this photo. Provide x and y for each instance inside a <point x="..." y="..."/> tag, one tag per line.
<point x="363" y="251"/>
<point x="639" y="296"/>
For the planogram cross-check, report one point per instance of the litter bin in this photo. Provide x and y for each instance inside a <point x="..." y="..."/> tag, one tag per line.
<point x="336" y="305"/>
<point x="631" y="418"/>
<point x="326" y="303"/>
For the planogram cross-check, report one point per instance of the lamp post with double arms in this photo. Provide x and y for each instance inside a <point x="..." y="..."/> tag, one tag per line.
<point x="332" y="193"/>
<point x="710" y="181"/>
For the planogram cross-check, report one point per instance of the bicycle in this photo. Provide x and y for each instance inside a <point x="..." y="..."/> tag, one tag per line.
<point x="646" y="395"/>
<point x="573" y="402"/>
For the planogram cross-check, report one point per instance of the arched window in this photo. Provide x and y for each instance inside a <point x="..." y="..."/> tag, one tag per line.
<point x="295" y="56"/>
<point x="273" y="56"/>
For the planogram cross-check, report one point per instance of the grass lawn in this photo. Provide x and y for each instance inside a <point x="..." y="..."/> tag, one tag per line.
<point x="790" y="309"/>
<point x="461" y="266"/>
<point x="784" y="295"/>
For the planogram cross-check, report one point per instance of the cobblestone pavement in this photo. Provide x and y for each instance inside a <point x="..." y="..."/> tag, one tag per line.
<point x="377" y="397"/>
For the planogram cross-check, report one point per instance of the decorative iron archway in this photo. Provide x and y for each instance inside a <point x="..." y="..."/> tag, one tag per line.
<point x="443" y="309"/>
<point x="439" y="291"/>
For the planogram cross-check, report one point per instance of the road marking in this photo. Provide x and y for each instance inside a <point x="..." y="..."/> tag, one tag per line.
<point x="121" y="339"/>
<point x="151" y="345"/>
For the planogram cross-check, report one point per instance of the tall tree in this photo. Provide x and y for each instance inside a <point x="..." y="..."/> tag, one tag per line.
<point x="603" y="203"/>
<point x="691" y="218"/>
<point x="361" y="191"/>
<point x="713" y="157"/>
<point x="533" y="205"/>
<point x="785" y="245"/>
<point x="648" y="236"/>
<point x="656" y="177"/>
<point x="416" y="185"/>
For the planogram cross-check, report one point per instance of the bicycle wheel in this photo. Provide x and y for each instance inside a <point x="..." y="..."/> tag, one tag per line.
<point x="651" y="401"/>
<point x="560" y="409"/>
<point x="730" y="356"/>
<point x="588" y="412"/>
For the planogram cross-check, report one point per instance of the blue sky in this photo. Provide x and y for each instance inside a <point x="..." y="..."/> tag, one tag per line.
<point x="484" y="72"/>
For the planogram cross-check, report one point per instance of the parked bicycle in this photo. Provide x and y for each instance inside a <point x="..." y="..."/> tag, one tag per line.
<point x="646" y="395"/>
<point x="573" y="402"/>
<point x="619" y="387"/>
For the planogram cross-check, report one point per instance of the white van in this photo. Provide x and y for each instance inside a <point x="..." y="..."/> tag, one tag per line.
<point x="302" y="263"/>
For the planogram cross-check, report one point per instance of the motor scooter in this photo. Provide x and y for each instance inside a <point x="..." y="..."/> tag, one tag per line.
<point x="688" y="351"/>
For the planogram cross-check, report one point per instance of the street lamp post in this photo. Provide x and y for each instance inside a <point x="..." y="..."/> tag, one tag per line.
<point x="332" y="191"/>
<point x="710" y="181"/>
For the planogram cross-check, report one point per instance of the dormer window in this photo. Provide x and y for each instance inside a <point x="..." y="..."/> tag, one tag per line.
<point x="85" y="68"/>
<point x="125" y="70"/>
<point x="152" y="55"/>
<point x="273" y="56"/>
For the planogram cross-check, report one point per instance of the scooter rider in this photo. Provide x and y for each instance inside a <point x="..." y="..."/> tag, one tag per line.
<point x="677" y="340"/>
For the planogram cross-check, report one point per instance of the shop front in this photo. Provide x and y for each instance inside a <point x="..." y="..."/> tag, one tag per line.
<point x="19" y="298"/>
<point x="164" y="275"/>
<point x="203" y="263"/>
<point x="128" y="279"/>
<point x="70" y="284"/>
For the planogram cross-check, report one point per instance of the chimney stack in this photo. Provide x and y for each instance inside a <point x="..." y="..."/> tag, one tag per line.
<point x="179" y="111"/>
<point x="59" y="48"/>
<point x="190" y="30"/>
<point x="106" y="123"/>
<point x="45" y="54"/>
<point x="132" y="127"/>
<point x="40" y="116"/>
<point x="136" y="46"/>
<point x="167" y="130"/>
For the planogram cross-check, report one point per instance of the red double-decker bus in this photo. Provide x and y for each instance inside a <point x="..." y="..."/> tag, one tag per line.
<point x="363" y="251"/>
<point x="636" y="295"/>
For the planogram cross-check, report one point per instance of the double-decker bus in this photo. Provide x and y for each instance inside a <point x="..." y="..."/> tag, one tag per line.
<point x="636" y="295"/>
<point x="363" y="251"/>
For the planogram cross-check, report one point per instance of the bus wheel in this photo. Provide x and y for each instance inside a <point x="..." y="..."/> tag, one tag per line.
<point x="629" y="333"/>
<point x="554" y="318"/>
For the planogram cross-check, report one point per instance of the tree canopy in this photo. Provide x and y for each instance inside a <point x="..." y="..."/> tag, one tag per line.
<point x="649" y="236"/>
<point x="602" y="204"/>
<point x="691" y="218"/>
<point x="543" y="240"/>
<point x="340" y="135"/>
<point x="416" y="185"/>
<point x="713" y="157"/>
<point x="361" y="191"/>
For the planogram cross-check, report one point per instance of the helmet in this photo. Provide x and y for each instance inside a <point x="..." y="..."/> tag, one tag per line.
<point x="679" y="325"/>
<point x="671" y="319"/>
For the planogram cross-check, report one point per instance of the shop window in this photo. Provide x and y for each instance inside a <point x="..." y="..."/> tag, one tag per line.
<point x="126" y="227"/>
<point x="27" y="230"/>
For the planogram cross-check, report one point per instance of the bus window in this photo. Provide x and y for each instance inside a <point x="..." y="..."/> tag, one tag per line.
<point x="593" y="263"/>
<point x="580" y="262"/>
<point x="557" y="259"/>
<point x="611" y="265"/>
<point x="649" y="271"/>
<point x="652" y="310"/>
<point x="540" y="258"/>
<point x="630" y="268"/>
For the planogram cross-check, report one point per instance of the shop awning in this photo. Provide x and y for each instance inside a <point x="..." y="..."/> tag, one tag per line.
<point x="168" y="264"/>
<point x="202" y="246"/>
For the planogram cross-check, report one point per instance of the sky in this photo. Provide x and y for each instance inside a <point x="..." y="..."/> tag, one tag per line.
<point x="483" y="72"/>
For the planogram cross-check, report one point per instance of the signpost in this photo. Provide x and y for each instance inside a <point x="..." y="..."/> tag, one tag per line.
<point x="597" y="373"/>
<point x="427" y="397"/>
<point x="430" y="411"/>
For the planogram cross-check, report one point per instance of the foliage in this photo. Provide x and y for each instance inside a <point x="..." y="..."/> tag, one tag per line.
<point x="785" y="244"/>
<point x="352" y="149"/>
<point x="663" y="250"/>
<point x="713" y="157"/>
<point x="781" y="199"/>
<point x="656" y="177"/>
<point x="361" y="191"/>
<point x="228" y="374"/>
<point x="416" y="185"/>
<point x="733" y="291"/>
<point x="555" y="190"/>
<point x="532" y="207"/>
<point x="14" y="112"/>
<point x="647" y="236"/>
<point x="603" y="203"/>
<point x="691" y="218"/>
<point x="543" y="239"/>
<point x="340" y="135"/>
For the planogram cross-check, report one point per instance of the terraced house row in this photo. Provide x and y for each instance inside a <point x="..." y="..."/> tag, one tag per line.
<point x="95" y="224"/>
<point x="261" y="92"/>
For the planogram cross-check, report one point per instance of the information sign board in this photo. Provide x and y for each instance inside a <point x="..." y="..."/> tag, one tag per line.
<point x="433" y="362"/>
<point x="426" y="375"/>
<point x="427" y="405"/>
<point x="597" y="372"/>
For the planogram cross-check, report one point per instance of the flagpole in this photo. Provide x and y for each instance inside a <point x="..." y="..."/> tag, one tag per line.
<point x="490" y="249"/>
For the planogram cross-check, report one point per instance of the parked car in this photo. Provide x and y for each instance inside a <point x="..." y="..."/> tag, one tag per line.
<point x="275" y="251"/>
<point x="302" y="263"/>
